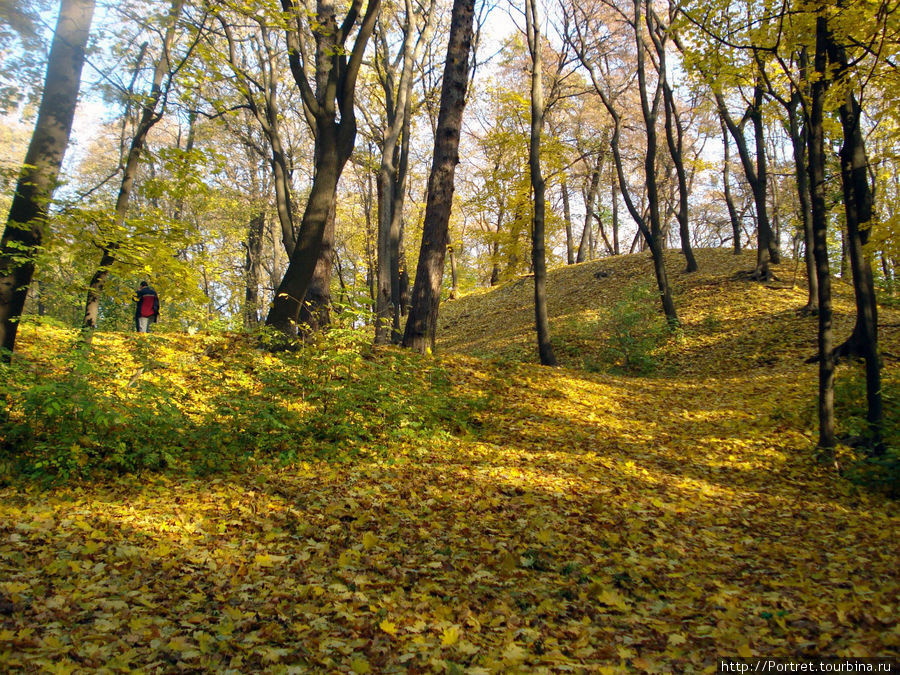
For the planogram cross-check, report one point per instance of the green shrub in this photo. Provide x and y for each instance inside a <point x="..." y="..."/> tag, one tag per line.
<point x="635" y="331"/>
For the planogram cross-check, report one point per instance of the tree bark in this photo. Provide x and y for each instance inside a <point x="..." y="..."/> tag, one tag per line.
<point x="590" y="196"/>
<point x="567" y="213"/>
<point x="422" y="321"/>
<point x="799" y="142"/>
<point x="538" y="226"/>
<point x="252" y="264"/>
<point x="24" y="231"/>
<point x="331" y="107"/>
<point x="858" y="207"/>
<point x="756" y="176"/>
<point x="726" y="186"/>
<point x="816" y="143"/>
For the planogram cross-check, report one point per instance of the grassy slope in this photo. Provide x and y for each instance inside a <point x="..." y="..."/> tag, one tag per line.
<point x="577" y="521"/>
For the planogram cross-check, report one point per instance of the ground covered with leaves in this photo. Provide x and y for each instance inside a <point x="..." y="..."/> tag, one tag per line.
<point x="346" y="509"/>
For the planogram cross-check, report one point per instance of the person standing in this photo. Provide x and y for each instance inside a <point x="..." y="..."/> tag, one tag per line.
<point x="147" y="308"/>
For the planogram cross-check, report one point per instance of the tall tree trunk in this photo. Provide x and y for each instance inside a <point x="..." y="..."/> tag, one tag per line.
<point x="858" y="207"/>
<point x="538" y="252"/>
<point x="567" y="213"/>
<point x="252" y="264"/>
<point x="726" y="186"/>
<point x="422" y="321"/>
<point x="614" y="190"/>
<point x="816" y="142"/>
<point x="495" y="247"/>
<point x="393" y="169"/>
<point x="799" y="141"/>
<point x="756" y="177"/>
<point x="589" y="198"/>
<point x="674" y="139"/>
<point x="331" y="107"/>
<point x="149" y="118"/>
<point x="650" y="113"/>
<point x="24" y="231"/>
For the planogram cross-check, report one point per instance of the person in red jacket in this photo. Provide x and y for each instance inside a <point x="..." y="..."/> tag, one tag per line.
<point x="147" y="308"/>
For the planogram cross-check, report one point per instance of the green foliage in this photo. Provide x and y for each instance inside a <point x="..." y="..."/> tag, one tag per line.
<point x="210" y="403"/>
<point x="635" y="331"/>
<point x="876" y="470"/>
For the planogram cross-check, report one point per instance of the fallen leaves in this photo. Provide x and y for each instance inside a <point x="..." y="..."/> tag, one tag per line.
<point x="583" y="523"/>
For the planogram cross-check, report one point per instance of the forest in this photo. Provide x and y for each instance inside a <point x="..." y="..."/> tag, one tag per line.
<point x="489" y="338"/>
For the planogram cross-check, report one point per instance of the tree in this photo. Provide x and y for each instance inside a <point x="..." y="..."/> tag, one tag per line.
<point x="330" y="106"/>
<point x="422" y="320"/>
<point x="538" y="254"/>
<point x="394" y="161"/>
<point x="590" y="52"/>
<point x="24" y="231"/>
<point x="150" y="115"/>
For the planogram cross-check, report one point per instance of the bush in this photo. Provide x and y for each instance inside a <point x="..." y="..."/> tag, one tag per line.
<point x="636" y="330"/>
<point x="208" y="403"/>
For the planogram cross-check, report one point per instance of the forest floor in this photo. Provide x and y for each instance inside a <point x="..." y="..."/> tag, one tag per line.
<point x="579" y="519"/>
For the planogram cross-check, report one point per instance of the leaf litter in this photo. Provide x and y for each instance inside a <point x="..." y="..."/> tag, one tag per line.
<point x="583" y="522"/>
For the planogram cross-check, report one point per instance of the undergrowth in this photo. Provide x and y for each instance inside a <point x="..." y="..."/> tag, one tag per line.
<point x="208" y="403"/>
<point x="878" y="470"/>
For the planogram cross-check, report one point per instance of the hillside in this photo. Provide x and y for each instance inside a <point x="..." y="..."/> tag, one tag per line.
<point x="351" y="509"/>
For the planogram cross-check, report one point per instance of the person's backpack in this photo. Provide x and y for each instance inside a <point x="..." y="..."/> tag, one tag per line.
<point x="146" y="308"/>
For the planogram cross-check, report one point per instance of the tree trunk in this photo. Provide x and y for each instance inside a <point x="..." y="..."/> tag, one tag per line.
<point x="315" y="312"/>
<point x="252" y="264"/>
<point x="816" y="142"/>
<point x="422" y="321"/>
<point x="614" y="190"/>
<point x="538" y="252"/>
<point x="858" y="207"/>
<point x="674" y="139"/>
<point x="590" y="196"/>
<point x="756" y="177"/>
<point x="331" y="107"/>
<point x="799" y="142"/>
<point x="567" y="213"/>
<point x="650" y="114"/>
<point x="24" y="231"/>
<point x="726" y="186"/>
<point x="149" y="118"/>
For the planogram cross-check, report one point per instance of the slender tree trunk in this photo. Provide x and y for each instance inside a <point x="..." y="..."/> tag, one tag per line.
<point x="422" y="321"/>
<point x="538" y="253"/>
<point x="858" y="207"/>
<point x="650" y="114"/>
<point x="726" y="185"/>
<point x="567" y="213"/>
<point x="590" y="197"/>
<point x="614" y="190"/>
<point x="816" y="142"/>
<point x="252" y="264"/>
<point x="756" y="177"/>
<point x="149" y="118"/>
<point x="495" y="247"/>
<point x="799" y="143"/>
<point x="24" y="231"/>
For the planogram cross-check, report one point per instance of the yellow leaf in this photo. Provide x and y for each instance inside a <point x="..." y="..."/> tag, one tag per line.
<point x="514" y="653"/>
<point x="360" y="666"/>
<point x="611" y="598"/>
<point x="388" y="627"/>
<point x="450" y="636"/>
<point x="677" y="639"/>
<point x="745" y="652"/>
<point x="369" y="540"/>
